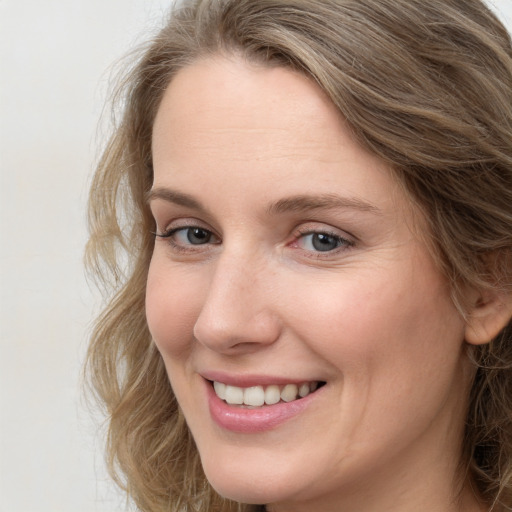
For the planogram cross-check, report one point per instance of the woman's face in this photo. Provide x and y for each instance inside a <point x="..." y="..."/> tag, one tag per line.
<point x="288" y="259"/>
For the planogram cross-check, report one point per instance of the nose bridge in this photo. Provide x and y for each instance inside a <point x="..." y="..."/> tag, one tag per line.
<point x="237" y="311"/>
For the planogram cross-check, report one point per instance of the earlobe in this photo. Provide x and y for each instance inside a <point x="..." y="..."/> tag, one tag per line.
<point x="490" y="314"/>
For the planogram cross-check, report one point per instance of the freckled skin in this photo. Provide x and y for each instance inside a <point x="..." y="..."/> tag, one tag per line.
<point x="372" y="318"/>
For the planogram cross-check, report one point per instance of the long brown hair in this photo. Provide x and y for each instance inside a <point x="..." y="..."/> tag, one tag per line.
<point x="426" y="86"/>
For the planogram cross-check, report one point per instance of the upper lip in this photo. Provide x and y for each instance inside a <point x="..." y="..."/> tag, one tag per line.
<point x="249" y="380"/>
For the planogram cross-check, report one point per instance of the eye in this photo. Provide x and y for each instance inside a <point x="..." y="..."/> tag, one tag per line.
<point x="194" y="236"/>
<point x="322" y="242"/>
<point x="189" y="235"/>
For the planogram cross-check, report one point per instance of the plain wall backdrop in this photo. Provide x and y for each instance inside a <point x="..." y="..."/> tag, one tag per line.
<point x="54" y="69"/>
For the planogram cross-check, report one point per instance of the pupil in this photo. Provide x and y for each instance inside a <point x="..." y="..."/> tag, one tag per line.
<point x="198" y="236"/>
<point x="322" y="242"/>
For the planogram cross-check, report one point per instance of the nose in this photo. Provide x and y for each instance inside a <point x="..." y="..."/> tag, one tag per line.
<point x="238" y="315"/>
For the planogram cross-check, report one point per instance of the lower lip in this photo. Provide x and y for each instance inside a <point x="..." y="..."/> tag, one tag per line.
<point x="261" y="419"/>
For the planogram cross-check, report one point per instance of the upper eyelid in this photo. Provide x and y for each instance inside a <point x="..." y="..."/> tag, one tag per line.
<point x="165" y="212"/>
<point x="189" y="222"/>
<point x="348" y="240"/>
<point x="168" y="232"/>
<point x="303" y="229"/>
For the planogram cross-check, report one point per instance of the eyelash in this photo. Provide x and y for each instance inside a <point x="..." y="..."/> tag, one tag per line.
<point x="342" y="243"/>
<point x="169" y="234"/>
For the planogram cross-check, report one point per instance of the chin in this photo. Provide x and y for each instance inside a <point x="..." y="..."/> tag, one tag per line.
<point x="250" y="484"/>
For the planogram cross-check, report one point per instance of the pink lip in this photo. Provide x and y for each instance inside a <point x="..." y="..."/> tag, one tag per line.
<point x="242" y="420"/>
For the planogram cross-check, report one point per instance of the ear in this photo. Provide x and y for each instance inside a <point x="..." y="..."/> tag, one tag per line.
<point x="491" y="312"/>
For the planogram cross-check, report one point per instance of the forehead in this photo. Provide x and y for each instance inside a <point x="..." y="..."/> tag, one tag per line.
<point x="224" y="120"/>
<point x="223" y="94"/>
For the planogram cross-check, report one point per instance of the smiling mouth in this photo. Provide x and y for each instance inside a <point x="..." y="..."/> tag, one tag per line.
<point x="259" y="396"/>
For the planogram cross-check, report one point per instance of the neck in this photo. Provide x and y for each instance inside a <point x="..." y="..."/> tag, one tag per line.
<point x="398" y="498"/>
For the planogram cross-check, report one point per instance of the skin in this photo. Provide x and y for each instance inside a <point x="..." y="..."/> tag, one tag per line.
<point x="372" y="318"/>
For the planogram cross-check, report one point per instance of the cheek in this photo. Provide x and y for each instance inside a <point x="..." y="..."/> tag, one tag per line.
<point x="172" y="306"/>
<point x="394" y="352"/>
<point x="383" y="327"/>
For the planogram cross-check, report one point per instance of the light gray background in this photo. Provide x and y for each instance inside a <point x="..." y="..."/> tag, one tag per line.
<point x="54" y="69"/>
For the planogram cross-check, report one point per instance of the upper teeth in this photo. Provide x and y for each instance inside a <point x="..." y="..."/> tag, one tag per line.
<point x="258" y="395"/>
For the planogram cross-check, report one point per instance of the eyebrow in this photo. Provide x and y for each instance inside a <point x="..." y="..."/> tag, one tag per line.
<point x="304" y="203"/>
<point x="173" y="196"/>
<point x="295" y="204"/>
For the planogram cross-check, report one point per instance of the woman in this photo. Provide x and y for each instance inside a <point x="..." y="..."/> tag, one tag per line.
<point x="315" y="198"/>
